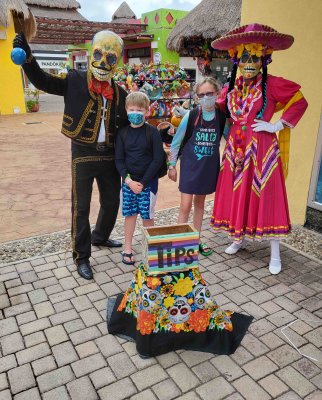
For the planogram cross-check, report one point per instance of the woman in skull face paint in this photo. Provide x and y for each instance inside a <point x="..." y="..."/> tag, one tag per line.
<point x="251" y="199"/>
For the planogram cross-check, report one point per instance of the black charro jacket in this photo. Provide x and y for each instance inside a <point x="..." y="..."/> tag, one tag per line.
<point x="82" y="113"/>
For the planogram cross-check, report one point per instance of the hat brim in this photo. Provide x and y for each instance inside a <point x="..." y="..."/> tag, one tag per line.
<point x="273" y="40"/>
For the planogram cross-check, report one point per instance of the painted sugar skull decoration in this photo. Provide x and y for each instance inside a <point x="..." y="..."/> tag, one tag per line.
<point x="249" y="65"/>
<point x="107" y="49"/>
<point x="180" y="311"/>
<point x="151" y="299"/>
<point x="202" y="297"/>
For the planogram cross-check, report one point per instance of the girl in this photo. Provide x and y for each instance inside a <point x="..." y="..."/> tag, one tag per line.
<point x="198" y="138"/>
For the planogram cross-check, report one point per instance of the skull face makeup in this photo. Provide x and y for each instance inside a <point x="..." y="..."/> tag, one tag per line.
<point x="249" y="65"/>
<point x="107" y="49"/>
<point x="180" y="311"/>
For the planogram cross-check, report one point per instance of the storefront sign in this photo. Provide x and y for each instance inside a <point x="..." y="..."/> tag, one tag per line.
<point x="52" y="64"/>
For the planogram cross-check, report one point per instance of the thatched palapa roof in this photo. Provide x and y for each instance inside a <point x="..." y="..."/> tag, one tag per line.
<point x="208" y="20"/>
<point x="54" y="3"/>
<point x="123" y="13"/>
<point x="61" y="9"/>
<point x="23" y="18"/>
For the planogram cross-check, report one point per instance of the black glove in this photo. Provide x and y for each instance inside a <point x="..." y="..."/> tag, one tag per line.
<point x="21" y="41"/>
<point x="166" y="138"/>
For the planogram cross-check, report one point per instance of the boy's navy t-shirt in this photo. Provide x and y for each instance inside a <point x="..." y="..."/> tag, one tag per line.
<point x="136" y="157"/>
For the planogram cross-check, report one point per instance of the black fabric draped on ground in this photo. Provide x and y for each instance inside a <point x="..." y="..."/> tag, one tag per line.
<point x="213" y="341"/>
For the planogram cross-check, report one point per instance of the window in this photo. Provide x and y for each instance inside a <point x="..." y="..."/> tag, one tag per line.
<point x="142" y="52"/>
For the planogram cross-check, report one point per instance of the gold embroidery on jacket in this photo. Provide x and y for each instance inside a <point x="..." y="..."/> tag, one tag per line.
<point x="60" y="76"/>
<point x="81" y="122"/>
<point x="68" y="118"/>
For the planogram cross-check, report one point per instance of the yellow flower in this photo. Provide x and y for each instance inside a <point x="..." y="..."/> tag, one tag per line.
<point x="167" y="290"/>
<point x="254" y="49"/>
<point x="183" y="286"/>
<point x="164" y="321"/>
<point x="240" y="50"/>
<point x="168" y="302"/>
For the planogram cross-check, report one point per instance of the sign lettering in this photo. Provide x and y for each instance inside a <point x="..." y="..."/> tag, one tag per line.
<point x="165" y="253"/>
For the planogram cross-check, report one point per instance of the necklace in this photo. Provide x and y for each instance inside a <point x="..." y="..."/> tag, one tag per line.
<point x="240" y="102"/>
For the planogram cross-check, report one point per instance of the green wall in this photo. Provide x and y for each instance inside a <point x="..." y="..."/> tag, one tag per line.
<point x="161" y="28"/>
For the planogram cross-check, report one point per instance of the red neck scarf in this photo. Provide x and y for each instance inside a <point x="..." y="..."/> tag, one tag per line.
<point x="102" y="87"/>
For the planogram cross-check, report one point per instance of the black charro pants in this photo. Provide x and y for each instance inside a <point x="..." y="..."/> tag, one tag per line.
<point x="89" y="164"/>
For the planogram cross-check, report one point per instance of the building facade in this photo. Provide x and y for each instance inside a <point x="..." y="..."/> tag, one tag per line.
<point x="10" y="75"/>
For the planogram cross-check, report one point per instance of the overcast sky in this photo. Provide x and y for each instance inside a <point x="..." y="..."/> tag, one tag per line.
<point x="102" y="10"/>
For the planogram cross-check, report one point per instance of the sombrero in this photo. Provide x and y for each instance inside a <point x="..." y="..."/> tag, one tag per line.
<point x="254" y="33"/>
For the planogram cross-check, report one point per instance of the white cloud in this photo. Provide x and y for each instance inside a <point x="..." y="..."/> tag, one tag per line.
<point x="102" y="10"/>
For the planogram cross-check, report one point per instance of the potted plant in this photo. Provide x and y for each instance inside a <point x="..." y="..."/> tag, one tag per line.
<point x="32" y="104"/>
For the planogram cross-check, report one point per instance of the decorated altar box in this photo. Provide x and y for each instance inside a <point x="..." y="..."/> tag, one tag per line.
<point x="170" y="248"/>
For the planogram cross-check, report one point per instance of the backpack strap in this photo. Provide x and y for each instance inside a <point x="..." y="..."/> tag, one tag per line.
<point x="222" y="121"/>
<point x="193" y="119"/>
<point x="148" y="134"/>
<point x="123" y="133"/>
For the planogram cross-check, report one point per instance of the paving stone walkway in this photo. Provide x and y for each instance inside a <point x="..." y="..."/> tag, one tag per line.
<point x="54" y="343"/>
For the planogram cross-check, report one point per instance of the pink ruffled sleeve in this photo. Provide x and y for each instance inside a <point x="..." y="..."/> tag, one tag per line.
<point x="221" y="99"/>
<point x="282" y="91"/>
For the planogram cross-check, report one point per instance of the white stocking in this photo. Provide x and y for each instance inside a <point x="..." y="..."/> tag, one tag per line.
<point x="275" y="261"/>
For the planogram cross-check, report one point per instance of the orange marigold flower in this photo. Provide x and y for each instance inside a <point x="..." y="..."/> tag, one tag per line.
<point x="199" y="320"/>
<point x="145" y="322"/>
<point x="229" y="326"/>
<point x="153" y="282"/>
<point x="177" y="328"/>
<point x="123" y="303"/>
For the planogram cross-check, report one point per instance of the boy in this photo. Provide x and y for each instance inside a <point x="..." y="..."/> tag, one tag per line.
<point x="138" y="158"/>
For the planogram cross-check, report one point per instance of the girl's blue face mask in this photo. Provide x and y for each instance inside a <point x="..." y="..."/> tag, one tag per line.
<point x="136" y="117"/>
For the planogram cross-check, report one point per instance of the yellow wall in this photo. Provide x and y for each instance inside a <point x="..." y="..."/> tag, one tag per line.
<point x="11" y="87"/>
<point x="302" y="64"/>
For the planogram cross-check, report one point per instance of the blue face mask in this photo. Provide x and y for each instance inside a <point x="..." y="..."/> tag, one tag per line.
<point x="208" y="102"/>
<point x="136" y="117"/>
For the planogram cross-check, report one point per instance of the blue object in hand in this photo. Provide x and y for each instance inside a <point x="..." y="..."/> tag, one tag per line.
<point x="18" y="56"/>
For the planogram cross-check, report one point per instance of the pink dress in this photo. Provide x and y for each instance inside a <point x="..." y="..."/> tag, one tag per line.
<point x="251" y="199"/>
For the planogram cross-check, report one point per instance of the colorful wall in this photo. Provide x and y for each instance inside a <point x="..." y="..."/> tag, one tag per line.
<point x="160" y="22"/>
<point x="11" y="87"/>
<point x="301" y="63"/>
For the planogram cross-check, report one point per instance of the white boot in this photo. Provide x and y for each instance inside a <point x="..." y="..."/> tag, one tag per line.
<point x="275" y="264"/>
<point x="234" y="247"/>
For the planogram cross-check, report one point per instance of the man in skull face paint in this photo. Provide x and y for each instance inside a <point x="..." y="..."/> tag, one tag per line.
<point x="94" y="112"/>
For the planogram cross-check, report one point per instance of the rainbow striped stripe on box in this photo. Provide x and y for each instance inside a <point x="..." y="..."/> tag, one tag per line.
<point x="172" y="253"/>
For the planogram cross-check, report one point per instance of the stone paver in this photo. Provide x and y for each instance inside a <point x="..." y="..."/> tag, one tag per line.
<point x="21" y="379"/>
<point x="296" y="381"/>
<point x="216" y="389"/>
<point x="185" y="379"/>
<point x="248" y="388"/>
<point x="82" y="389"/>
<point x="54" y="343"/>
<point x="119" y="390"/>
<point x="53" y="379"/>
